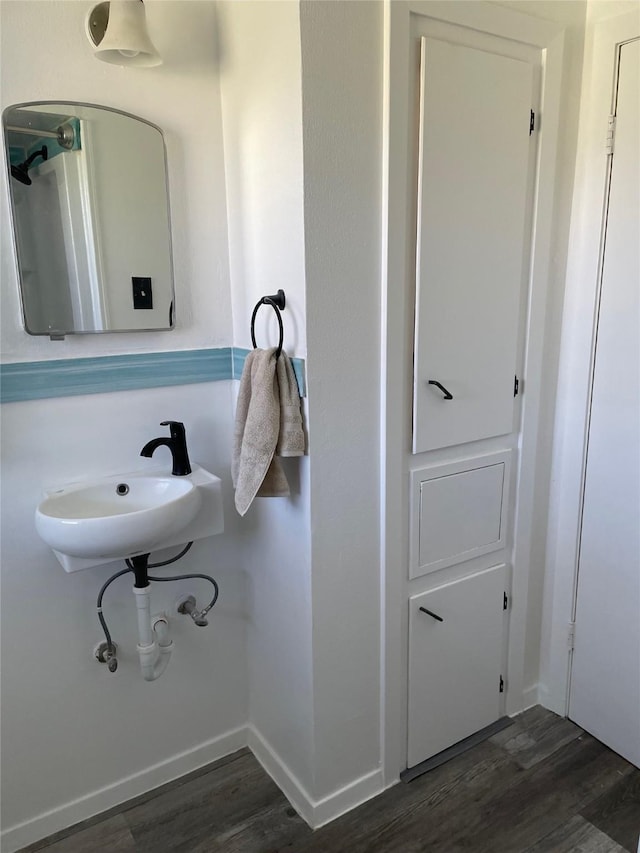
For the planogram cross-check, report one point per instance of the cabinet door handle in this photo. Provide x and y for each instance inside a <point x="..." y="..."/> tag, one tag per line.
<point x="447" y="394"/>
<point x="430" y="613"/>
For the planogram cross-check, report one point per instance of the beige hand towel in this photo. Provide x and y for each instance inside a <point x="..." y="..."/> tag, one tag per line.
<point x="268" y="421"/>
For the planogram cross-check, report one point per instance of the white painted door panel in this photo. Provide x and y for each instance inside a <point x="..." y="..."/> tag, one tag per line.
<point x="605" y="678"/>
<point x="471" y="243"/>
<point x="458" y="511"/>
<point x="454" y="665"/>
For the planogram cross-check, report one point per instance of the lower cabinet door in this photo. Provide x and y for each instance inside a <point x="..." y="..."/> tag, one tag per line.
<point x="455" y="654"/>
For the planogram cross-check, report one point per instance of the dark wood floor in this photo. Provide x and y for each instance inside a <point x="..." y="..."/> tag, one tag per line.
<point x="540" y="786"/>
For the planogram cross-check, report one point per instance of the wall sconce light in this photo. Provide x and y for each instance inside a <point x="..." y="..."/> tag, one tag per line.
<point x="118" y="32"/>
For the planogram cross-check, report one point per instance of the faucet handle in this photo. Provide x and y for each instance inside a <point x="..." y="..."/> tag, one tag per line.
<point x="175" y="427"/>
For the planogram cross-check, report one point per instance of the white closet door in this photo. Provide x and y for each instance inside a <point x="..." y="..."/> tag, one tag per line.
<point x="472" y="204"/>
<point x="605" y="678"/>
<point x="455" y="654"/>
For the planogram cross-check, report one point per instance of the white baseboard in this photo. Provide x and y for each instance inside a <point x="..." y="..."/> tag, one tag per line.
<point x="289" y="784"/>
<point x="315" y="812"/>
<point x="530" y="696"/>
<point x="344" y="799"/>
<point x="82" y="808"/>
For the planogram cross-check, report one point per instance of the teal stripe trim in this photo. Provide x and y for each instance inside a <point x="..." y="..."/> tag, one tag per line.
<point x="239" y="355"/>
<point x="37" y="380"/>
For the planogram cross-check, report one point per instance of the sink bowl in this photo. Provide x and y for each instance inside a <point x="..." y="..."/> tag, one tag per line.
<point x="117" y="516"/>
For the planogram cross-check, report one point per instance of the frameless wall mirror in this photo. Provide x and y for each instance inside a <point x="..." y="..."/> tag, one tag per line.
<point x="90" y="209"/>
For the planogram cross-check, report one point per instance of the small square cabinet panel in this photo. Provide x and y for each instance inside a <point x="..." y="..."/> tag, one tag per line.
<point x="459" y="512"/>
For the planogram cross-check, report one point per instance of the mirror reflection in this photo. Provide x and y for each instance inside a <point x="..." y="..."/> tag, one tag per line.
<point x="91" y="221"/>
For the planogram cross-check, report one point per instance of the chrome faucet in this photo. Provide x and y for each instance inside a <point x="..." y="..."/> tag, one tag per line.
<point x="177" y="444"/>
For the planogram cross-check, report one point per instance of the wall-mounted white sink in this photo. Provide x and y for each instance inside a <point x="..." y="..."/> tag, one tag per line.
<point x="99" y="521"/>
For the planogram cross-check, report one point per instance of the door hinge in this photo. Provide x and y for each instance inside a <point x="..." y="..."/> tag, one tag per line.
<point x="516" y="386"/>
<point x="505" y="601"/>
<point x="501" y="684"/>
<point x="532" y="122"/>
<point x="611" y="134"/>
<point x="571" y="636"/>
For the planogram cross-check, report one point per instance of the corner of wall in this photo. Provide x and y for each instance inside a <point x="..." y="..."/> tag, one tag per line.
<point x="316" y="812"/>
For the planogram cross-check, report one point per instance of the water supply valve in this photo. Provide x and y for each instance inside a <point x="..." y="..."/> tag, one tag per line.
<point x="103" y="655"/>
<point x="186" y="604"/>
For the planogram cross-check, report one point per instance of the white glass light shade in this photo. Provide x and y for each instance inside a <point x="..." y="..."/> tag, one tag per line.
<point x="125" y="40"/>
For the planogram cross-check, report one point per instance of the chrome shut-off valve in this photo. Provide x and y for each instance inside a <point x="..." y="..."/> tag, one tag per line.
<point x="186" y="604"/>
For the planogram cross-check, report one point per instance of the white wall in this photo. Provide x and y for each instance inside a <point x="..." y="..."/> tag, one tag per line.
<point x="261" y="103"/>
<point x="342" y="121"/>
<point x="46" y="56"/>
<point x="571" y="14"/>
<point x="71" y="730"/>
<point x="65" y="717"/>
<point x="301" y="95"/>
<point x="602" y="10"/>
<point x="262" y="113"/>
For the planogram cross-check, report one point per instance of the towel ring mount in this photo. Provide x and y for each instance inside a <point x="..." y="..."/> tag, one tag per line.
<point x="277" y="302"/>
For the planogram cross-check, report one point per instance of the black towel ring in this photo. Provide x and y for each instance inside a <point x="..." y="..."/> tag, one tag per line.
<point x="277" y="302"/>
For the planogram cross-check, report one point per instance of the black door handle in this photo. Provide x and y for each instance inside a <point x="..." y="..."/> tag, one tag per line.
<point x="447" y="394"/>
<point x="430" y="613"/>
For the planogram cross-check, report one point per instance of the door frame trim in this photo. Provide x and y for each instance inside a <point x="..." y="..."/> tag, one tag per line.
<point x="577" y="357"/>
<point x="396" y="344"/>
